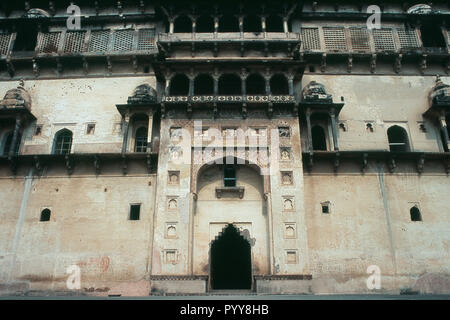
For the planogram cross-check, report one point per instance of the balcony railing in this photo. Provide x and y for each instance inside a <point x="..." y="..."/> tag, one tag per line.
<point x="228" y="36"/>
<point x="230" y="99"/>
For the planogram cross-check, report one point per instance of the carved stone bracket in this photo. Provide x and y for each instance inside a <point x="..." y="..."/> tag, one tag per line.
<point x="420" y="163"/>
<point x="392" y="164"/>
<point x="69" y="164"/>
<point x="97" y="165"/>
<point x="364" y="162"/>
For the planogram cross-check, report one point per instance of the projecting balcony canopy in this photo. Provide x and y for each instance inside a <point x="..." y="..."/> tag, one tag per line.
<point x="16" y="102"/>
<point x="439" y="99"/>
<point x="315" y="98"/>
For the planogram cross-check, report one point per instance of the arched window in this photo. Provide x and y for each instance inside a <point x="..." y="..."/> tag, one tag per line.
<point x="179" y="85"/>
<point x="252" y="23"/>
<point x="255" y="84"/>
<point x="398" y="139"/>
<point x="230" y="84"/>
<point x="182" y="24"/>
<point x="63" y="142"/>
<point x="205" y="24"/>
<point x="319" y="141"/>
<point x="415" y="214"/>
<point x="203" y="84"/>
<point x="279" y="84"/>
<point x="8" y="141"/>
<point x="140" y="144"/>
<point x="274" y="23"/>
<point x="228" y="23"/>
<point x="45" y="215"/>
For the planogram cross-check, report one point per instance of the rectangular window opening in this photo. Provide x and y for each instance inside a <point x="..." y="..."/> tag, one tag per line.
<point x="135" y="210"/>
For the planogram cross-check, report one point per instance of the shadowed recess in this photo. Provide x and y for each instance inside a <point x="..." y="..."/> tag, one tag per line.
<point x="230" y="261"/>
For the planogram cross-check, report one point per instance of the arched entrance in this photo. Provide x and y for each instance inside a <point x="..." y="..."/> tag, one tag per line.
<point x="230" y="261"/>
<point x="230" y="223"/>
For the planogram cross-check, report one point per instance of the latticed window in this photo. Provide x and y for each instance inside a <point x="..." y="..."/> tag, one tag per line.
<point x="360" y="39"/>
<point x="408" y="38"/>
<point x="49" y="42"/>
<point x="123" y="40"/>
<point x="141" y="140"/>
<point x="74" y="42"/>
<point x="146" y="39"/>
<point x="335" y="38"/>
<point x="310" y="38"/>
<point x="63" y="142"/>
<point x="384" y="39"/>
<point x="4" y="43"/>
<point x="99" y="41"/>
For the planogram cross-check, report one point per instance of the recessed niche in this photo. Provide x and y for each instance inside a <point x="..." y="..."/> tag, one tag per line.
<point x="291" y="256"/>
<point x="288" y="204"/>
<point x="171" y="256"/>
<point x="172" y="203"/>
<point x="171" y="230"/>
<point x="174" y="177"/>
<point x="285" y="154"/>
<point x="286" y="178"/>
<point x="290" y="231"/>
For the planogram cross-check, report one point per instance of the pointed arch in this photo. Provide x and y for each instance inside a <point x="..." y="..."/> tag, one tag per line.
<point x="63" y="142"/>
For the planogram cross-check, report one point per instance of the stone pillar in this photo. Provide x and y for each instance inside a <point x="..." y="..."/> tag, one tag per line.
<point x="268" y="198"/>
<point x="191" y="86"/>
<point x="443" y="124"/>
<point x="167" y="88"/>
<point x="267" y="79"/>
<point x="243" y="84"/>
<point x="194" y="26"/>
<point x="192" y="203"/>
<point x="308" y="127"/>
<point x="291" y="85"/>
<point x="125" y="132"/>
<point x="263" y="25"/>
<point x="12" y="147"/>
<point x="241" y="26"/>
<point x="285" y="26"/>
<point x="171" y="25"/>
<point x="334" y="128"/>
<point x="216" y="85"/>
<point x="149" y="131"/>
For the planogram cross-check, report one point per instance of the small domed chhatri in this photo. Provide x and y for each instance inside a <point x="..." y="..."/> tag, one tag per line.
<point x="440" y="92"/>
<point x="143" y="94"/>
<point x="16" y="98"/>
<point x="315" y="91"/>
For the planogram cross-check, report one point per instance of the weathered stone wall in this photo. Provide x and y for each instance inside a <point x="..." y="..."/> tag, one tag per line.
<point x="89" y="227"/>
<point x="369" y="224"/>
<point x="72" y="104"/>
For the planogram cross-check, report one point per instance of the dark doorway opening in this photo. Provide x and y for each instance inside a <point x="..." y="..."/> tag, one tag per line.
<point x="432" y="36"/>
<point x="230" y="261"/>
<point x="319" y="141"/>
